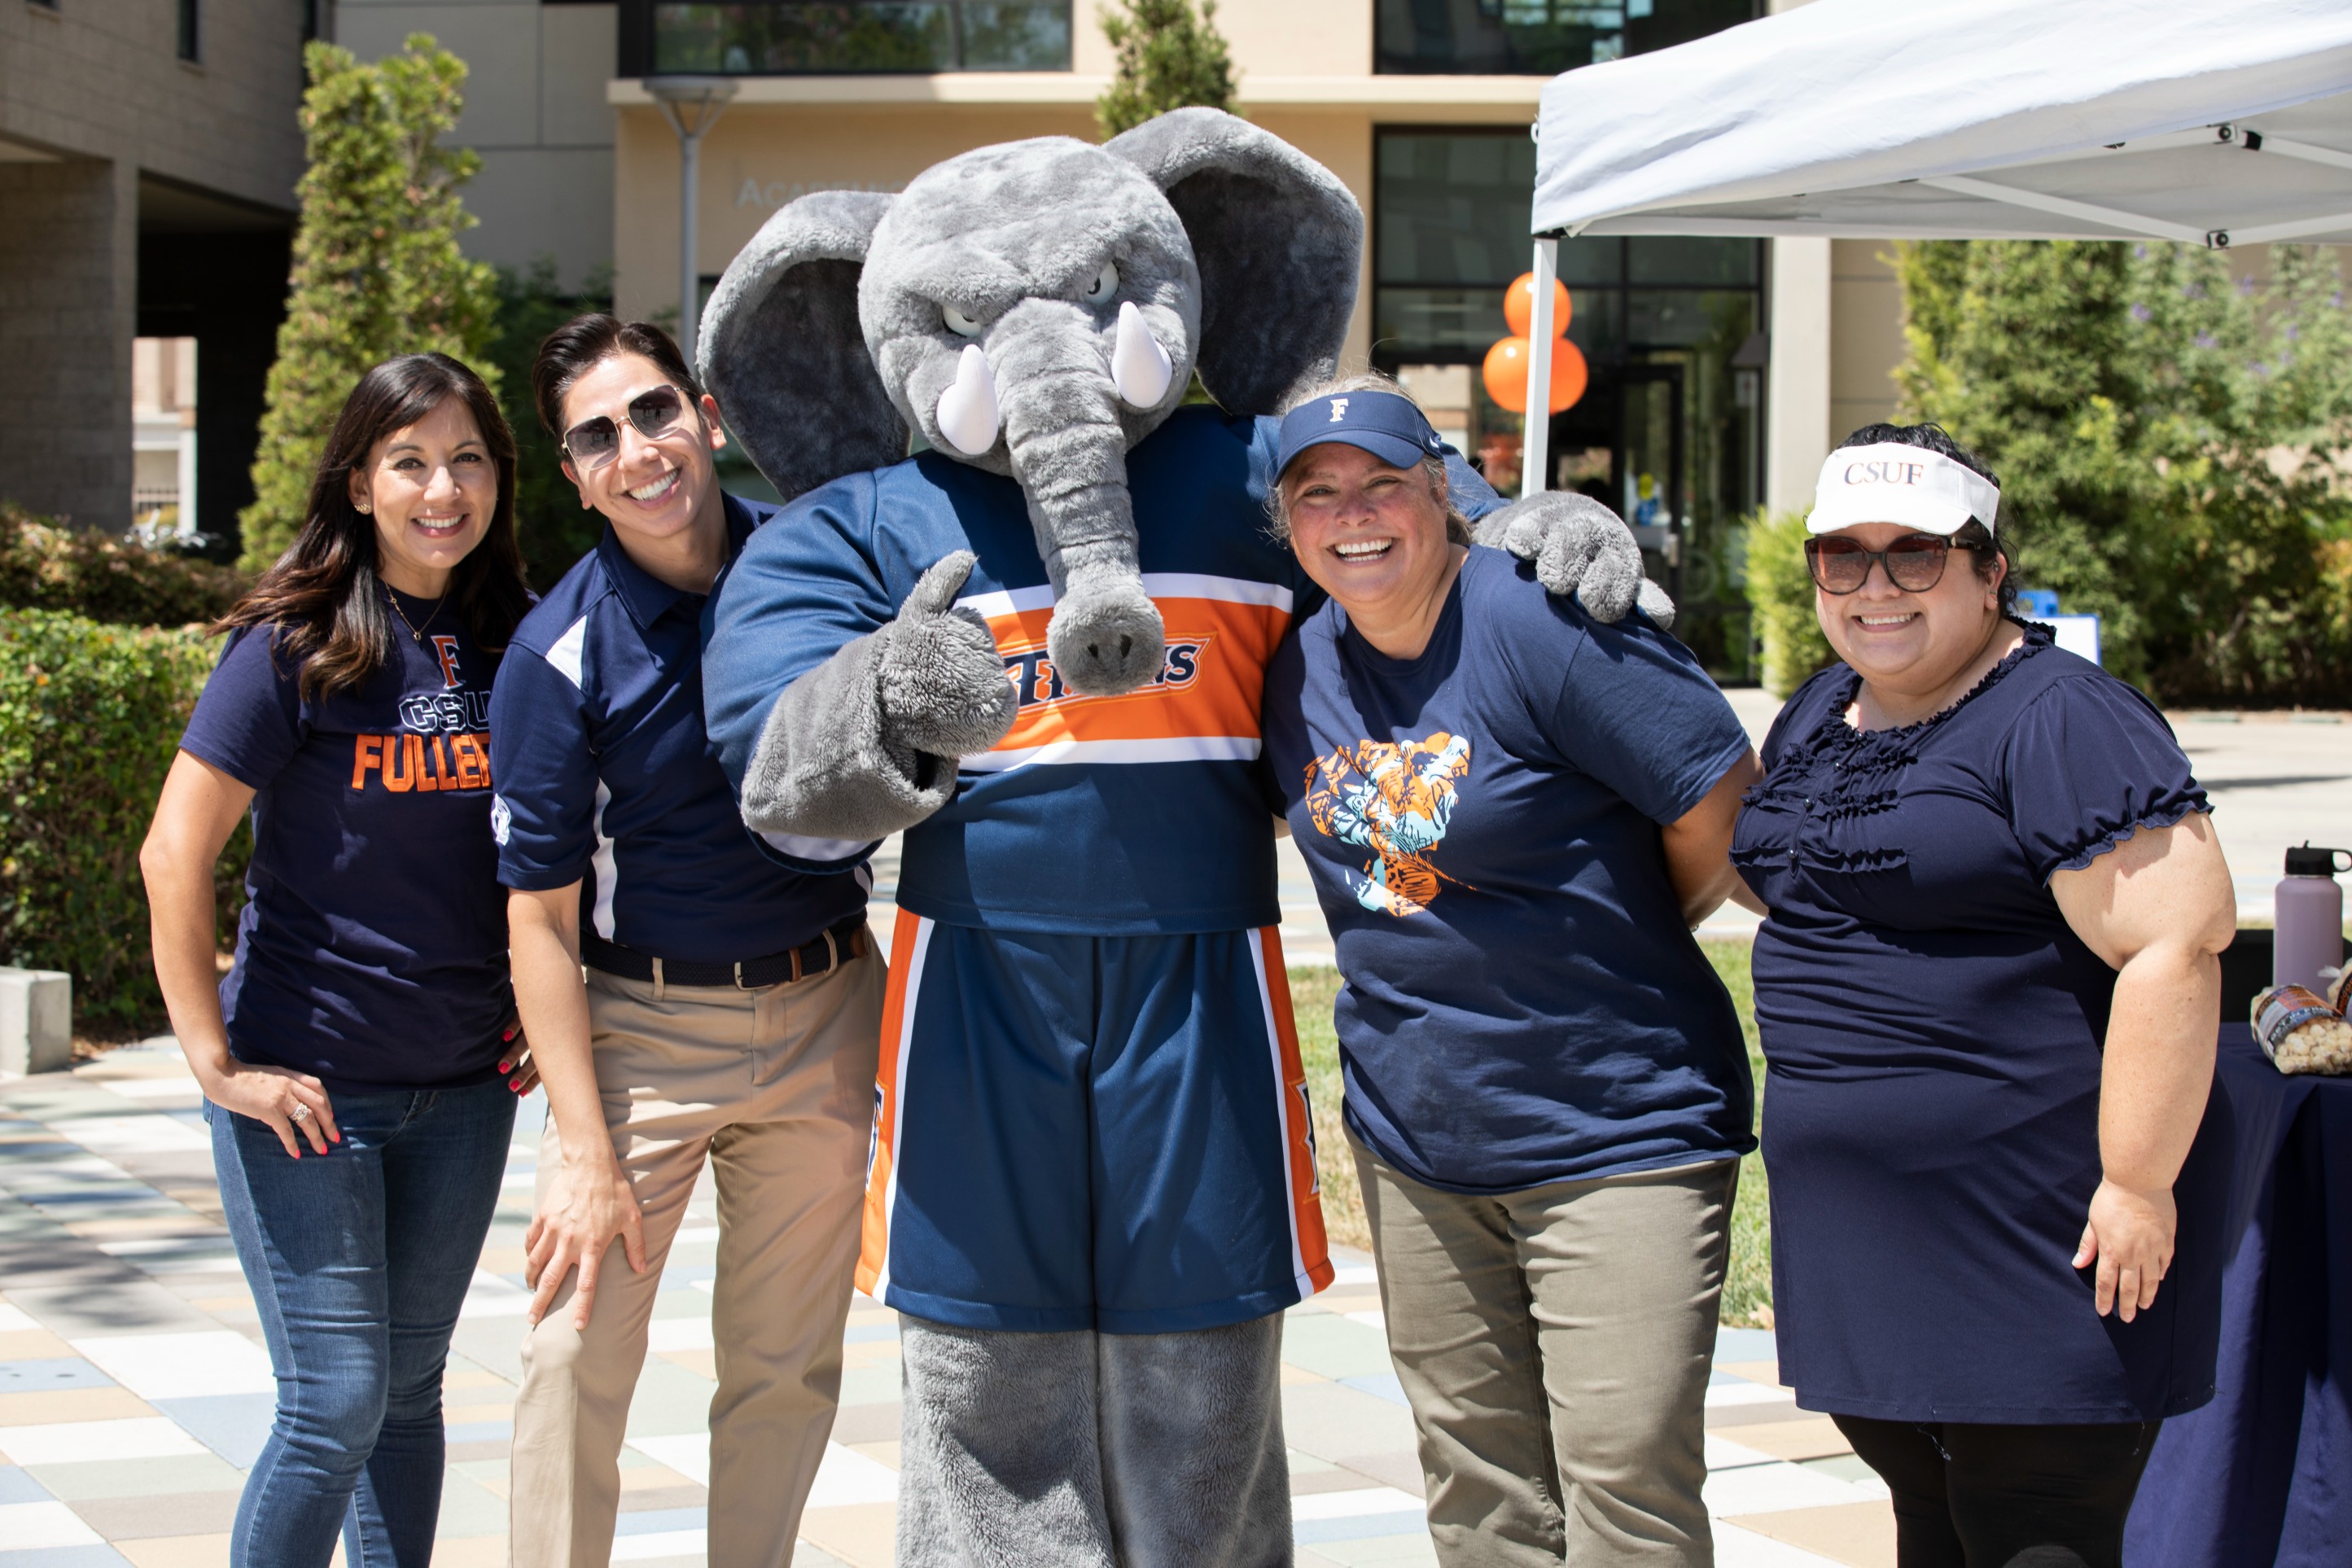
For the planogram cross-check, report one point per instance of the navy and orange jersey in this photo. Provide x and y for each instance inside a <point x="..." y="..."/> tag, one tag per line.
<point x="1111" y="815"/>
<point x="606" y="778"/>
<point x="1146" y="1162"/>
<point x="372" y="949"/>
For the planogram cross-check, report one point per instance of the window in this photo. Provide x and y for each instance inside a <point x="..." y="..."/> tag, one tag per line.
<point x="813" y="38"/>
<point x="1669" y="429"/>
<point x="1538" y="38"/>
<point x="191" y="34"/>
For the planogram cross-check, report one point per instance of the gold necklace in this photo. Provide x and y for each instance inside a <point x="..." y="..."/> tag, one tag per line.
<point x="415" y="632"/>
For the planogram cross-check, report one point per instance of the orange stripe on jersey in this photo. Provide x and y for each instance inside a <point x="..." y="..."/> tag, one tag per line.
<point x="1210" y="683"/>
<point x="907" y="940"/>
<point x="1298" y="1120"/>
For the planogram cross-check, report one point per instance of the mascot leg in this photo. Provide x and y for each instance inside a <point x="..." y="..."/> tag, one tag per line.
<point x="1192" y="1457"/>
<point x="998" y="1466"/>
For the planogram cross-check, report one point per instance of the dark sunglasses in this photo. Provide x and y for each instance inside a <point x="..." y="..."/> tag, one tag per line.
<point x="1914" y="562"/>
<point x="593" y="442"/>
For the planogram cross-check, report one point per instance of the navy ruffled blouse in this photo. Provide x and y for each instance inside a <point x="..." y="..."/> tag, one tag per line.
<point x="1933" y="1033"/>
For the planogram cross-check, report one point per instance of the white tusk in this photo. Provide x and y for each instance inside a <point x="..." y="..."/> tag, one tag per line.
<point x="1138" y="365"/>
<point x="968" y="407"/>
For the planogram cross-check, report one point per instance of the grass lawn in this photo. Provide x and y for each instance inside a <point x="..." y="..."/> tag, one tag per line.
<point x="1747" y="1291"/>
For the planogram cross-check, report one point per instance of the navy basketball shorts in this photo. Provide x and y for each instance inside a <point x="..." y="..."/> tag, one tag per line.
<point x="1072" y="1132"/>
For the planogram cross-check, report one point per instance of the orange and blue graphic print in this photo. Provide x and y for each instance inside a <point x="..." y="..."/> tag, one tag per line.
<point x="1395" y="800"/>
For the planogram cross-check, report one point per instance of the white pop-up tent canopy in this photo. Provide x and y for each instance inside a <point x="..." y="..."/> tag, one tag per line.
<point x="2211" y="122"/>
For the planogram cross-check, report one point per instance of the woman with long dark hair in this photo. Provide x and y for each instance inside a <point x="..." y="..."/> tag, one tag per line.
<point x="351" y="1060"/>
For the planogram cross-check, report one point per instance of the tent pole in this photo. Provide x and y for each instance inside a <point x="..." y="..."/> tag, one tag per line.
<point x="1535" y="445"/>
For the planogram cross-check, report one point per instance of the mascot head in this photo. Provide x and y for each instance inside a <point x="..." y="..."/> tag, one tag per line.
<point x="1035" y="309"/>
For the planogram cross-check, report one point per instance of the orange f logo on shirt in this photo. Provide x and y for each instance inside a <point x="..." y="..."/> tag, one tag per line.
<point x="446" y="647"/>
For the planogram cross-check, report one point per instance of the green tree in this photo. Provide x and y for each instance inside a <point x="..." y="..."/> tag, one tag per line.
<point x="2164" y="430"/>
<point x="1781" y="603"/>
<point x="376" y="268"/>
<point x="554" y="528"/>
<point x="1169" y="58"/>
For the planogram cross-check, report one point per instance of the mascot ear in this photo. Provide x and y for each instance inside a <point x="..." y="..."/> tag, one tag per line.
<point x="781" y="352"/>
<point x="1278" y="239"/>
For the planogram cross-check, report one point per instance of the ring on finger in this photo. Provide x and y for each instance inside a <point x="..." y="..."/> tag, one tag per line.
<point x="299" y="1114"/>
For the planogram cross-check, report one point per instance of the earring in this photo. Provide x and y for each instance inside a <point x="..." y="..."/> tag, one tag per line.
<point x="365" y="509"/>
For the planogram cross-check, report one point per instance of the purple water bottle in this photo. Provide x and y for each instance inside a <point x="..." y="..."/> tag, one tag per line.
<point x="2310" y="905"/>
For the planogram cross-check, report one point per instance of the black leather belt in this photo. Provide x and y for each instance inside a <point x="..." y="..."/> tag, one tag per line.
<point x="835" y="946"/>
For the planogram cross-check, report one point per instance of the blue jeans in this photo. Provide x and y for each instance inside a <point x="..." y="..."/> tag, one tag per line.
<point x="359" y="1261"/>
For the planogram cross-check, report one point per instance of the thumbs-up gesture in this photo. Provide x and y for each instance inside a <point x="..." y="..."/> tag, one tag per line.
<point x="943" y="683"/>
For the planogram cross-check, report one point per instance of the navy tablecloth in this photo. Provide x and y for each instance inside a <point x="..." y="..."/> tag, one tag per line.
<point x="2264" y="1474"/>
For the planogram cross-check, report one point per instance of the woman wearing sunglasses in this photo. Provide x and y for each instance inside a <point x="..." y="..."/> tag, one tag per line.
<point x="1988" y="991"/>
<point x="695" y="997"/>
<point x="351" y="1060"/>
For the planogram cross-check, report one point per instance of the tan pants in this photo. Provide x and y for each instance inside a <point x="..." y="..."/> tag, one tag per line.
<point x="776" y="1088"/>
<point x="1554" y="1346"/>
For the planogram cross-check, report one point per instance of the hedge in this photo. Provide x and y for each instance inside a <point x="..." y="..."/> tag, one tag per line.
<point x="91" y="716"/>
<point x="49" y="566"/>
<point x="1780" y="596"/>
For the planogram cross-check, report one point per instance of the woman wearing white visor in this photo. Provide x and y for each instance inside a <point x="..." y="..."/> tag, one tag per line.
<point x="1987" y="992"/>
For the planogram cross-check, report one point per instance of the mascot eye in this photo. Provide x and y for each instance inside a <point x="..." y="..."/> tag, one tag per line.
<point x="1105" y="285"/>
<point x="959" y="323"/>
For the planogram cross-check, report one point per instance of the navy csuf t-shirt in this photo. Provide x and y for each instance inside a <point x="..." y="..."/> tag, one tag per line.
<point x="1523" y="1003"/>
<point x="372" y="947"/>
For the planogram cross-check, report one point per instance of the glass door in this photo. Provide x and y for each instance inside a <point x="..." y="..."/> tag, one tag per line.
<point x="1650" y="493"/>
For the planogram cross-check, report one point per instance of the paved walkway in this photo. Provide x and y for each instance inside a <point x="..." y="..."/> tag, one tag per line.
<point x="134" y="1391"/>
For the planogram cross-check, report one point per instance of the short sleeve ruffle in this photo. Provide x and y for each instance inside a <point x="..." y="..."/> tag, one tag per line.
<point x="2090" y="763"/>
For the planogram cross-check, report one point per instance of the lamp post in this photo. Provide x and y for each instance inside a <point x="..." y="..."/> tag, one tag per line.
<point x="692" y="105"/>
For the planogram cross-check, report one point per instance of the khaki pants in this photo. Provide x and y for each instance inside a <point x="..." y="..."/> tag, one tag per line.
<point x="1554" y="1346"/>
<point x="776" y="1088"/>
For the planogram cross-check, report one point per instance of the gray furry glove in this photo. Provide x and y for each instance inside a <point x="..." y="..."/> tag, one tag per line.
<point x="1581" y="548"/>
<point x="864" y="744"/>
<point x="941" y="681"/>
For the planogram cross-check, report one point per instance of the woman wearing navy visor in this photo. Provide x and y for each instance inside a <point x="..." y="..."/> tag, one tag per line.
<point x="351" y="1060"/>
<point x="1514" y="814"/>
<point x="1987" y="988"/>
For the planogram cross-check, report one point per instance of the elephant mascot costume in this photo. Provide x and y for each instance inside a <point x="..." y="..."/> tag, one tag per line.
<point x="1037" y="648"/>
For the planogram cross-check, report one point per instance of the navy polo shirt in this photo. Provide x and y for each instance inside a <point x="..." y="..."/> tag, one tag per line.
<point x="606" y="777"/>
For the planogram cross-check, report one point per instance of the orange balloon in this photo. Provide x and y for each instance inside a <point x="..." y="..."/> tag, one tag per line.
<point x="1568" y="374"/>
<point x="1519" y="306"/>
<point x="1506" y="373"/>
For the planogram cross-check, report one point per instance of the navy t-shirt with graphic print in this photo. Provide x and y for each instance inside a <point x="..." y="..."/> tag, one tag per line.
<point x="1523" y="1003"/>
<point x="372" y="947"/>
<point x="607" y="777"/>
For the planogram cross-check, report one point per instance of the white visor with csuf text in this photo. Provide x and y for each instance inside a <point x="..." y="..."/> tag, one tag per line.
<point x="1891" y="482"/>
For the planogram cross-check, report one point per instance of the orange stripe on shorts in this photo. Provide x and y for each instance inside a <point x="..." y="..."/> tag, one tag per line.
<point x="906" y="972"/>
<point x="1298" y="1122"/>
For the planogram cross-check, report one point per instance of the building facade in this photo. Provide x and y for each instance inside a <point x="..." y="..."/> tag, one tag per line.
<point x="537" y="75"/>
<point x="149" y="192"/>
<point x="148" y="151"/>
